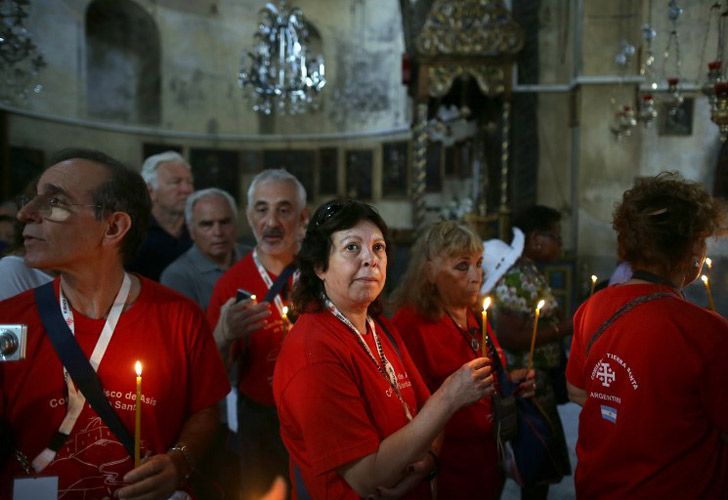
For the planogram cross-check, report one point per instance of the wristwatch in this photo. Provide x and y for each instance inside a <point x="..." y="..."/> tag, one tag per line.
<point x="182" y="449"/>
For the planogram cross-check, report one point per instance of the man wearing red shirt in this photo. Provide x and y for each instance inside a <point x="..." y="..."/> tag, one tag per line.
<point x="250" y="331"/>
<point x="89" y="214"/>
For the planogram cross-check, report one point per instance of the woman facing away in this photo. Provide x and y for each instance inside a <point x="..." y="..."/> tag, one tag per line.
<point x="355" y="415"/>
<point x="438" y="317"/>
<point x="649" y="367"/>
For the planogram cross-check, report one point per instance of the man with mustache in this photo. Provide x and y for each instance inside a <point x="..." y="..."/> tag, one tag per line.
<point x="250" y="331"/>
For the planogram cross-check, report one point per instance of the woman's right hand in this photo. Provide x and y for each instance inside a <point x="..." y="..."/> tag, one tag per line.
<point x="470" y="383"/>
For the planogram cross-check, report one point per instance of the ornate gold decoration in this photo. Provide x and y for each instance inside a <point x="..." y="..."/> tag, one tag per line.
<point x="470" y="28"/>
<point x="491" y="79"/>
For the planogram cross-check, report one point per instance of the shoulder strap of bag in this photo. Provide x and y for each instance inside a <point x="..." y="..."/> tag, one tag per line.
<point x="491" y="346"/>
<point x="623" y="310"/>
<point x="300" y="487"/>
<point x="77" y="364"/>
<point x="389" y="336"/>
<point x="279" y="283"/>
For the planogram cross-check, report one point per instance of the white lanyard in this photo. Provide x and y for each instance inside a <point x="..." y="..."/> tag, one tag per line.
<point x="268" y="281"/>
<point x="386" y="367"/>
<point x="76" y="399"/>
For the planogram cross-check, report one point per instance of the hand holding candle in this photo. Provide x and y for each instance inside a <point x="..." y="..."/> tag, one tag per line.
<point x="484" y="346"/>
<point x="593" y="284"/>
<point x="539" y="306"/>
<point x="138" y="416"/>
<point x="706" y="283"/>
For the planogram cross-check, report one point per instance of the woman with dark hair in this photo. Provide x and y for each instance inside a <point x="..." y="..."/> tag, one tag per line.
<point x="356" y="417"/>
<point x="515" y="296"/>
<point x="649" y="367"/>
<point x="438" y="314"/>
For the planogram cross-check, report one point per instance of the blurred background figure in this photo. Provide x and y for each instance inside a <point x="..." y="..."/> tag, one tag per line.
<point x="7" y="233"/>
<point x="211" y="217"/>
<point x="15" y="275"/>
<point x="515" y="296"/>
<point x="169" y="181"/>
<point x="355" y="414"/>
<point x="648" y="366"/>
<point x="438" y="315"/>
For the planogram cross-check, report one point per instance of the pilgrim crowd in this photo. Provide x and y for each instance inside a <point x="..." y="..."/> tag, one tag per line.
<point x="162" y="358"/>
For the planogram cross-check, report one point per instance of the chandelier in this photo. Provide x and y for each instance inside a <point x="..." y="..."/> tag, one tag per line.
<point x="20" y="60"/>
<point x="281" y="75"/>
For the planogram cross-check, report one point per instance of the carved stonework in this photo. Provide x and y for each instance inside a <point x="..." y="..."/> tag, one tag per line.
<point x="491" y="79"/>
<point x="470" y="28"/>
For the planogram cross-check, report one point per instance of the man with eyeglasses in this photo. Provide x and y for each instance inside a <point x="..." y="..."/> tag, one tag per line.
<point x="250" y="331"/>
<point x="169" y="180"/>
<point x="88" y="215"/>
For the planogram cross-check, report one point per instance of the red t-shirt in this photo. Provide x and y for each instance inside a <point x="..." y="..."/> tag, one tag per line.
<point x="469" y="454"/>
<point x="256" y="373"/>
<point x="335" y="407"/>
<point x="182" y="374"/>
<point x="657" y="398"/>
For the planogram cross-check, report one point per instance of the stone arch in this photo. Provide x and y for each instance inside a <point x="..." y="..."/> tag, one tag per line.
<point x="122" y="63"/>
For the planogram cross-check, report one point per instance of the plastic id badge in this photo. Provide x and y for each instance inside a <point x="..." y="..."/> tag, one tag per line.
<point x="35" y="488"/>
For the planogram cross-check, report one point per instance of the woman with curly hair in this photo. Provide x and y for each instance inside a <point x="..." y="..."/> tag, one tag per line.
<point x="649" y="367"/>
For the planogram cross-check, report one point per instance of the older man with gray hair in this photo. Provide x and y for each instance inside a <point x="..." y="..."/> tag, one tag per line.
<point x="169" y="181"/>
<point x="248" y="311"/>
<point x="211" y="217"/>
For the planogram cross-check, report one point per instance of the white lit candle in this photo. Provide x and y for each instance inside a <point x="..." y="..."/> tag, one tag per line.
<point x="284" y="317"/>
<point x="706" y="283"/>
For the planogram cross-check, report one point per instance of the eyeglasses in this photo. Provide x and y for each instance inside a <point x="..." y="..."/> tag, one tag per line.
<point x="50" y="206"/>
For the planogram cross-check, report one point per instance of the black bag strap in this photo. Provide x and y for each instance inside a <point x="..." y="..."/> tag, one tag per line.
<point x="77" y="364"/>
<point x="643" y="299"/>
<point x="279" y="283"/>
<point x="505" y="386"/>
<point x="301" y="491"/>
<point x="390" y="337"/>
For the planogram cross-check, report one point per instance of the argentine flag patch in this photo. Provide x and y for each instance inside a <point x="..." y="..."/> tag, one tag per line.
<point x="609" y="413"/>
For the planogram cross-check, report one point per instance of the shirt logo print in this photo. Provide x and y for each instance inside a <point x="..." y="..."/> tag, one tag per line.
<point x="605" y="374"/>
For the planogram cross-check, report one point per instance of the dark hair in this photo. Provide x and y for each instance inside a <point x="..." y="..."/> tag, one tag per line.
<point x="661" y="218"/>
<point x="536" y="218"/>
<point x="335" y="215"/>
<point x="124" y="191"/>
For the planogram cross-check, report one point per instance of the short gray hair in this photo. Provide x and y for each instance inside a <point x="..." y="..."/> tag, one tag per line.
<point x="277" y="175"/>
<point x="151" y="164"/>
<point x="208" y="193"/>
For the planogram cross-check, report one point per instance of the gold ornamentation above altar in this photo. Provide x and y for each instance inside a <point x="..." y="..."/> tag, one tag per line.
<point x="491" y="79"/>
<point x="470" y="28"/>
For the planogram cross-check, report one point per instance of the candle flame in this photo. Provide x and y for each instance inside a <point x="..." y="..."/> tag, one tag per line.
<point x="704" y="278"/>
<point x="285" y="311"/>
<point x="594" y="278"/>
<point x="138" y="368"/>
<point x="540" y="304"/>
<point x="709" y="262"/>
<point x="486" y="303"/>
<point x="253" y="298"/>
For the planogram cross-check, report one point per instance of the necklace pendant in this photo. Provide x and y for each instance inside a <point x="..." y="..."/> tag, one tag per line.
<point x="475" y="344"/>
